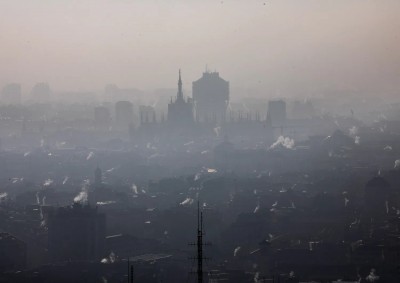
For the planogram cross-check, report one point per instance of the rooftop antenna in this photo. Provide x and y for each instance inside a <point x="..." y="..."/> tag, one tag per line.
<point x="130" y="271"/>
<point x="199" y="244"/>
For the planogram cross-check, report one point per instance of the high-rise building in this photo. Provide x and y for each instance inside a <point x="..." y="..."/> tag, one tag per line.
<point x="276" y="115"/>
<point x="211" y="96"/>
<point x="76" y="233"/>
<point x="180" y="111"/>
<point x="11" y="94"/>
<point x="124" y="113"/>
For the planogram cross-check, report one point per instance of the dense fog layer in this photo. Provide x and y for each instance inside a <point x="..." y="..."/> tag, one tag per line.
<point x="199" y="141"/>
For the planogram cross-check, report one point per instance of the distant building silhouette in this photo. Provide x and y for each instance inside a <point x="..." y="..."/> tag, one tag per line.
<point x="124" y="113"/>
<point x="76" y="233"/>
<point x="223" y="154"/>
<point x="41" y="92"/>
<point x="276" y="114"/>
<point x="13" y="253"/>
<point x="11" y="94"/>
<point x="102" y="117"/>
<point x="147" y="114"/>
<point x="211" y="97"/>
<point x="377" y="197"/>
<point x="180" y="111"/>
<point x="303" y="110"/>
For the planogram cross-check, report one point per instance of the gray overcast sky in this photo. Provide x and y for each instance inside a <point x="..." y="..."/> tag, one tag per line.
<point x="275" y="44"/>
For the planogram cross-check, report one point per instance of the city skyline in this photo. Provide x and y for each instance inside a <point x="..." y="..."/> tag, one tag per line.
<point x="208" y="141"/>
<point x="263" y="45"/>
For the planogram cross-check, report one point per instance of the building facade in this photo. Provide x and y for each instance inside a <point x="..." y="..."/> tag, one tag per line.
<point x="276" y="114"/>
<point x="76" y="233"/>
<point x="211" y="97"/>
<point x="124" y="113"/>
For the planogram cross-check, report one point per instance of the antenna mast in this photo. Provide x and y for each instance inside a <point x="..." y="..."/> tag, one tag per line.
<point x="199" y="244"/>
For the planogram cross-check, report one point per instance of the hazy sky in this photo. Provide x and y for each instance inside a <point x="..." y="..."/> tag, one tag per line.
<point x="300" y="44"/>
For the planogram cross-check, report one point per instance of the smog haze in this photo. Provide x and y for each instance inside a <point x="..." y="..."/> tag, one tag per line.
<point x="289" y="46"/>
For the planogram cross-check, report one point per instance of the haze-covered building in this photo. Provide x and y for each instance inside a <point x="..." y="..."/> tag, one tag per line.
<point x="211" y="97"/>
<point x="180" y="111"/>
<point x="76" y="233"/>
<point x="123" y="113"/>
<point x="302" y="110"/>
<point x="11" y="94"/>
<point x="277" y="113"/>
<point x="102" y="117"/>
<point x="41" y="92"/>
<point x="147" y="114"/>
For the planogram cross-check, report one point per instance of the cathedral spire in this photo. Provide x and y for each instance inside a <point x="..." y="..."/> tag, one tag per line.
<point x="180" y="92"/>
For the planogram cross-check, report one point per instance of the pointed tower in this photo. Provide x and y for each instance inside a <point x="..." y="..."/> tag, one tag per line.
<point x="180" y="92"/>
<point x="180" y="112"/>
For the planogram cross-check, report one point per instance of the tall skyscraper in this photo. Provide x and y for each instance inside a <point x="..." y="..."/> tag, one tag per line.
<point x="211" y="96"/>
<point x="180" y="111"/>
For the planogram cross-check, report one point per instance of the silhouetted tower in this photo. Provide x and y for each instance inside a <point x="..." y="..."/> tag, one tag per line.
<point x="211" y="96"/>
<point x="180" y="112"/>
<point x="180" y="92"/>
